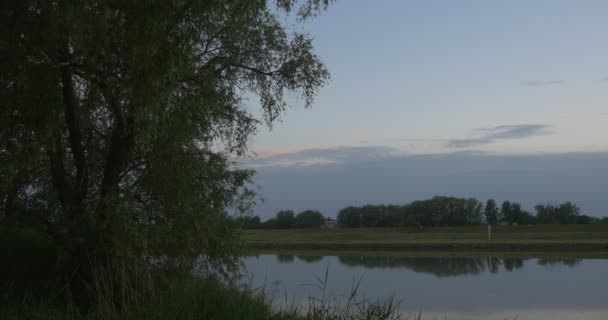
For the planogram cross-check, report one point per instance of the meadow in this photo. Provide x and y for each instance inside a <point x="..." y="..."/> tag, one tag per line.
<point x="504" y="238"/>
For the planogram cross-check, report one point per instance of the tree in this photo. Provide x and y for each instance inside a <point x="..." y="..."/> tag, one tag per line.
<point x="516" y="213"/>
<point x="349" y="217"/>
<point x="270" y="224"/>
<point x="130" y="116"/>
<point x="569" y="212"/>
<point x="285" y="219"/>
<point x="309" y="219"/>
<point x="506" y="214"/>
<point x="474" y="210"/>
<point x="525" y="217"/>
<point x="585" y="219"/>
<point x="491" y="212"/>
<point x="565" y="213"/>
<point x="251" y="222"/>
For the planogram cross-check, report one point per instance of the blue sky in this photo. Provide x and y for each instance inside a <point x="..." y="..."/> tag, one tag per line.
<point x="510" y="79"/>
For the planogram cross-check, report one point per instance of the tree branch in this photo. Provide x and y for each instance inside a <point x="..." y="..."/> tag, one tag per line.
<point x="72" y="117"/>
<point x="58" y="174"/>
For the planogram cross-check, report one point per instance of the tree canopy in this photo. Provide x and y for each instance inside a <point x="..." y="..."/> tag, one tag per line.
<point x="437" y="211"/>
<point x="566" y="212"/>
<point x="491" y="212"/>
<point x="309" y="219"/>
<point x="121" y="120"/>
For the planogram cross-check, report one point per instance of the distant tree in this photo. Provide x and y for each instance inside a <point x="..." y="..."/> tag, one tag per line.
<point x="251" y="222"/>
<point x="604" y="220"/>
<point x="349" y="217"/>
<point x="309" y="219"/>
<point x="491" y="212"/>
<point x="474" y="210"/>
<point x="518" y="216"/>
<point x="506" y="213"/>
<point x="270" y="224"/>
<point x="544" y="213"/>
<point x="569" y="212"/>
<point x="525" y="218"/>
<point x="443" y="211"/>
<point x="585" y="219"/>
<point x="285" y="219"/>
<point x="372" y="216"/>
<point x="565" y="213"/>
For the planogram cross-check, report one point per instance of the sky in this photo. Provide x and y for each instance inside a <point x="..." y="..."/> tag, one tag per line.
<point x="485" y="99"/>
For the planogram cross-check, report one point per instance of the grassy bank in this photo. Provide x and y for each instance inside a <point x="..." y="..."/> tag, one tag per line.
<point x="188" y="298"/>
<point x="504" y="238"/>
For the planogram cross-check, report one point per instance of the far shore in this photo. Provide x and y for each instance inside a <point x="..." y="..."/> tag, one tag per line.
<point x="587" y="246"/>
<point x="539" y="238"/>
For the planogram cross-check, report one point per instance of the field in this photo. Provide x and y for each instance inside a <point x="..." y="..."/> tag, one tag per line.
<point x="504" y="238"/>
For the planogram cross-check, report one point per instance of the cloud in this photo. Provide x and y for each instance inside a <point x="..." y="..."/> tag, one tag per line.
<point x="351" y="154"/>
<point x="540" y="83"/>
<point x="397" y="179"/>
<point x="490" y="135"/>
<point x="322" y="156"/>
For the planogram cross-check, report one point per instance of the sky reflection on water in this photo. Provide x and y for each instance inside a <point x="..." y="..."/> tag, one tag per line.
<point x="452" y="287"/>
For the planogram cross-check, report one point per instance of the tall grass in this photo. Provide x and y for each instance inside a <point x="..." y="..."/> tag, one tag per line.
<point x="326" y="306"/>
<point x="123" y="292"/>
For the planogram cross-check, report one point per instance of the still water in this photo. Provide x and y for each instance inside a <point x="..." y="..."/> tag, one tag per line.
<point x="480" y="287"/>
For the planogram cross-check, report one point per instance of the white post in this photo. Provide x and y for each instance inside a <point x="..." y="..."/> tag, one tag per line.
<point x="489" y="232"/>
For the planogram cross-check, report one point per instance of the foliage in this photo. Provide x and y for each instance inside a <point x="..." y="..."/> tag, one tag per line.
<point x="438" y="211"/>
<point x="270" y="224"/>
<point x="285" y="219"/>
<point x="28" y="258"/>
<point x="506" y="212"/>
<point x="309" y="219"/>
<point x="349" y="217"/>
<point x="567" y="212"/>
<point x="154" y="295"/>
<point x="491" y="212"/>
<point x="251" y="222"/>
<point x="442" y="211"/>
<point x="370" y="216"/>
<point x="512" y="213"/>
<point x="121" y="120"/>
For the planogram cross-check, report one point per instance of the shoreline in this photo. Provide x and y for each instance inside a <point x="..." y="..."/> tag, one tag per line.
<point x="447" y="246"/>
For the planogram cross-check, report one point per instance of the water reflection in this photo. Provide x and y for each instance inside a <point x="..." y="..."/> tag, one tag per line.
<point x="437" y="266"/>
<point x="559" y="262"/>
<point x="448" y="266"/>
<point x="480" y="287"/>
<point x="285" y="258"/>
<point x="310" y="259"/>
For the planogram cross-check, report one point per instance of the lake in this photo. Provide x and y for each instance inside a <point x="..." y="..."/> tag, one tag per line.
<point x="445" y="287"/>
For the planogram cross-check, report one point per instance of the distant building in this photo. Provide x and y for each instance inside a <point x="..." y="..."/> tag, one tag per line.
<point x="330" y="224"/>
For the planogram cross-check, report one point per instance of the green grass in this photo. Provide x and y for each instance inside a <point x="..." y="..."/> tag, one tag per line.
<point x="192" y="298"/>
<point x="535" y="237"/>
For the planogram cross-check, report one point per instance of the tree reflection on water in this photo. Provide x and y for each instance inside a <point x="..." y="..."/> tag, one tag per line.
<point x="450" y="266"/>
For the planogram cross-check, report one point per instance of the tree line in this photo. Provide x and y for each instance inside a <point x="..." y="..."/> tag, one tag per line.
<point x="435" y="212"/>
<point x="452" y="211"/>
<point x="286" y="219"/>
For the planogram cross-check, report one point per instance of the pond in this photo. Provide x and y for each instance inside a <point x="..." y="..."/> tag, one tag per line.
<point x="444" y="287"/>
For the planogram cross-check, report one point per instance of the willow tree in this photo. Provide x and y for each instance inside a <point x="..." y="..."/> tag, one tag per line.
<point x="121" y="120"/>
